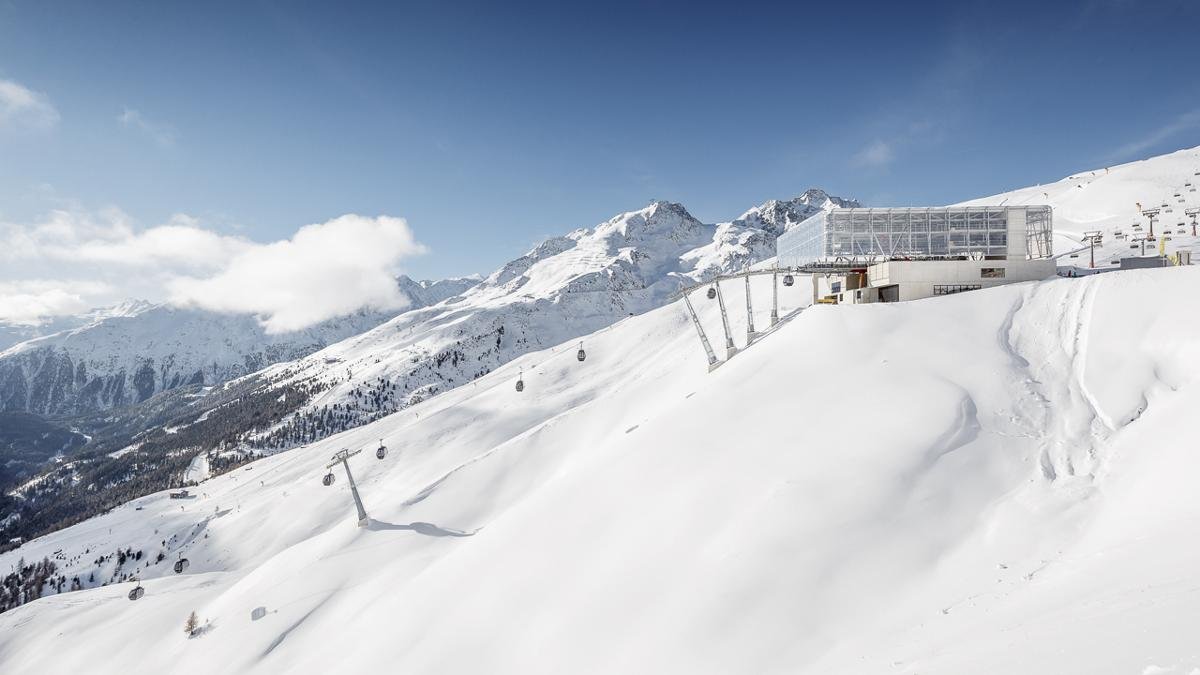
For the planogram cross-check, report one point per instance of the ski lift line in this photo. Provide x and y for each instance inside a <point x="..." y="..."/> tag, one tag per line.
<point x="507" y="367"/>
<point x="836" y="267"/>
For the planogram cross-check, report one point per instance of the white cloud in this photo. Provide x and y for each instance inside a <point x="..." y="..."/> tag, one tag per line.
<point x="109" y="237"/>
<point x="1187" y="121"/>
<point x="323" y="271"/>
<point x="876" y="155"/>
<point x="162" y="135"/>
<point x="22" y="107"/>
<point x="29" y="302"/>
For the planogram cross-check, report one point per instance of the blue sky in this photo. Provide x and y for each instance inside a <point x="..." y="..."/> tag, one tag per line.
<point x="490" y="126"/>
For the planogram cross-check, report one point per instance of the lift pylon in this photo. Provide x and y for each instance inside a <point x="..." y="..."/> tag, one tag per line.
<point x="1150" y="213"/>
<point x="774" y="297"/>
<point x="1193" y="213"/>
<point x="708" y="350"/>
<point x="342" y="456"/>
<point x="750" y="332"/>
<point x="730" y="350"/>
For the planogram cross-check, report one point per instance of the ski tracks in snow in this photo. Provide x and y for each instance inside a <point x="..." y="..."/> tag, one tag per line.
<point x="1046" y="333"/>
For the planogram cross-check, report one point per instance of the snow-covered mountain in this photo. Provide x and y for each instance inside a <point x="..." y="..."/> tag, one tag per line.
<point x="776" y="216"/>
<point x="126" y="359"/>
<point x="565" y="287"/>
<point x="424" y="293"/>
<point x="11" y="334"/>
<point x="126" y="353"/>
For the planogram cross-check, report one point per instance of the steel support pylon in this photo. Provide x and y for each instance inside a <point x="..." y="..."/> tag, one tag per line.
<point x="730" y="350"/>
<point x="750" y="332"/>
<point x="342" y="456"/>
<point x="774" y="298"/>
<point x="708" y="350"/>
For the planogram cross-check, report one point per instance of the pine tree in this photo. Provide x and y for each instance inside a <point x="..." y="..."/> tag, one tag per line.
<point x="192" y="623"/>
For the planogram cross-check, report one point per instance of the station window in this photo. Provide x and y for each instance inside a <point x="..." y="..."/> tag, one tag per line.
<point x="950" y="289"/>
<point x="991" y="273"/>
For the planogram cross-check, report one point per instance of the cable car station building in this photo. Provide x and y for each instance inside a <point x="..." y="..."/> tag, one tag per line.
<point x="893" y="254"/>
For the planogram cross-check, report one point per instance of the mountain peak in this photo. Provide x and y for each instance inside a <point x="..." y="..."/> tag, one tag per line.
<point x="776" y="216"/>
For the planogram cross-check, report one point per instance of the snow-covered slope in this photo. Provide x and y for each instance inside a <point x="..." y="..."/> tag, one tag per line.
<point x="863" y="490"/>
<point x="565" y="287"/>
<point x="1110" y="200"/>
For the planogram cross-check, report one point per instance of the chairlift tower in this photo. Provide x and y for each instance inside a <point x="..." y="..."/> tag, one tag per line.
<point x="342" y="456"/>
<point x="1093" y="237"/>
<point x="1193" y="213"/>
<point x="1151" y="213"/>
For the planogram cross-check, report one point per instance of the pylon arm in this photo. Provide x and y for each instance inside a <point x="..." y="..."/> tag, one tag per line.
<point x="708" y="350"/>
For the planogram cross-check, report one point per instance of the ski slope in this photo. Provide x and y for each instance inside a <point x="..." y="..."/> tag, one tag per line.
<point x="1110" y="200"/>
<point x="992" y="482"/>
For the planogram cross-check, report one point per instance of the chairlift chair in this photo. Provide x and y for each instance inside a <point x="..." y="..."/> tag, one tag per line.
<point x="581" y="355"/>
<point x="328" y="479"/>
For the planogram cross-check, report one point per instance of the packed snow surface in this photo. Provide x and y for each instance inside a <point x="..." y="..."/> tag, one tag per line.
<point x="994" y="482"/>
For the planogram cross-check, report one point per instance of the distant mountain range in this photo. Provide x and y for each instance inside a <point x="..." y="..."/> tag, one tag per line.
<point x="125" y="354"/>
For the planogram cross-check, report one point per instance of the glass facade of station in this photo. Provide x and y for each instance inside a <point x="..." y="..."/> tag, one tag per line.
<point x="871" y="235"/>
